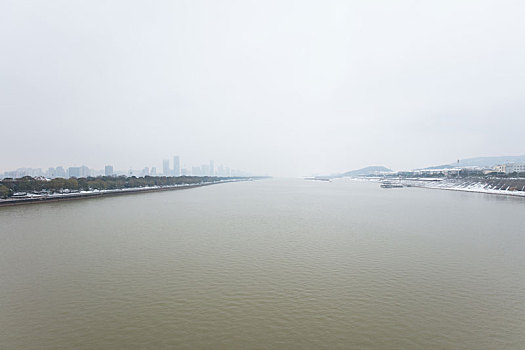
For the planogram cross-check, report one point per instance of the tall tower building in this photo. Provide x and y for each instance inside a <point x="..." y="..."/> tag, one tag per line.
<point x="84" y="171"/>
<point x="108" y="170"/>
<point x="73" y="171"/>
<point x="176" y="166"/>
<point x="212" y="168"/>
<point x="166" y="167"/>
<point x="51" y="173"/>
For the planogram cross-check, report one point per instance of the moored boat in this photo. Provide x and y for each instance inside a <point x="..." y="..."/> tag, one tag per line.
<point x="390" y="184"/>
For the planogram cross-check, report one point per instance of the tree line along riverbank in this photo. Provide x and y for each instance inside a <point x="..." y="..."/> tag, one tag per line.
<point x="28" y="186"/>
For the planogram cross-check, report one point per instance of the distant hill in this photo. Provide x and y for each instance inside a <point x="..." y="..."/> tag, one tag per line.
<point x="481" y="162"/>
<point x="369" y="170"/>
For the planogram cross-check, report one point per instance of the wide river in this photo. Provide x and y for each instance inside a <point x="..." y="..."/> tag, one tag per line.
<point x="270" y="264"/>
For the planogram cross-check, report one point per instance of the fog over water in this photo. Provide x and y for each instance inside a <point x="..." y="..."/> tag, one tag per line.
<point x="278" y="87"/>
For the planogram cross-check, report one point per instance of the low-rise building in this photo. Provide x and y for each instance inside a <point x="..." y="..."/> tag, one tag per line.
<point x="510" y="168"/>
<point x="515" y="168"/>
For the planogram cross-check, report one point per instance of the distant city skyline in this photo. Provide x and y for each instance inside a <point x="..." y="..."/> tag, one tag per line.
<point x="504" y="164"/>
<point x="173" y="169"/>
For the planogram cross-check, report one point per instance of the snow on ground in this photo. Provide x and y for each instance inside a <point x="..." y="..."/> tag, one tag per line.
<point x="467" y="185"/>
<point x="57" y="195"/>
<point x="464" y="185"/>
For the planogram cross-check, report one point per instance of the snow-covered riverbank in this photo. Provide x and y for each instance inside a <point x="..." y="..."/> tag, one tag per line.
<point x="42" y="197"/>
<point x="504" y="186"/>
<point x="508" y="187"/>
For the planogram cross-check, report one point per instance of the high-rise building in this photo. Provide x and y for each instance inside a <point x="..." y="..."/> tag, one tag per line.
<point x="84" y="171"/>
<point x="212" y="168"/>
<point x="205" y="170"/>
<point x="108" y="170"/>
<point x="51" y="173"/>
<point x="176" y="166"/>
<point x="153" y="171"/>
<point x="166" y="167"/>
<point x="60" y="172"/>
<point x="73" y="172"/>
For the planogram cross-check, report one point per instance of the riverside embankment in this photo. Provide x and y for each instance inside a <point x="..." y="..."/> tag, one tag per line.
<point x="508" y="186"/>
<point x="44" y="198"/>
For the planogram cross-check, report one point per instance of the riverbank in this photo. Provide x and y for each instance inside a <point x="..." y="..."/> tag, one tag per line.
<point x="509" y="187"/>
<point x="55" y="197"/>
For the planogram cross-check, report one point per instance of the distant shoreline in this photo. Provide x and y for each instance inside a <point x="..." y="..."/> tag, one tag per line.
<point x="467" y="185"/>
<point x="99" y="194"/>
<point x="515" y="194"/>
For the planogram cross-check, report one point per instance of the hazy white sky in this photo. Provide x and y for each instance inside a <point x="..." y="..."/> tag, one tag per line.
<point x="278" y="87"/>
